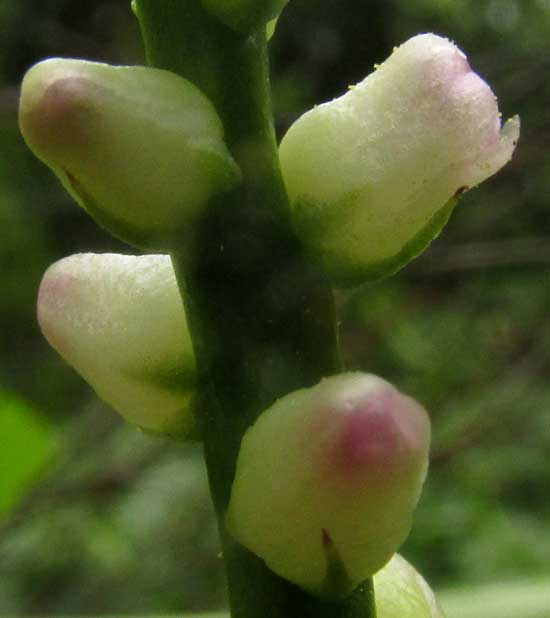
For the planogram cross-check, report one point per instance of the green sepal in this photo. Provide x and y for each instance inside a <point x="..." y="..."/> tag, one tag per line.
<point x="270" y="28"/>
<point x="185" y="430"/>
<point x="314" y="223"/>
<point x="135" y="235"/>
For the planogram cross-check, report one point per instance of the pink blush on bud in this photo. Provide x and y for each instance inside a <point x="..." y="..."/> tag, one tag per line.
<point x="366" y="439"/>
<point x="370" y="437"/>
<point x="61" y="115"/>
<point x="57" y="299"/>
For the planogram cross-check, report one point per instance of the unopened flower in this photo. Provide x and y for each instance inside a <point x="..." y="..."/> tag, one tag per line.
<point x="119" y="321"/>
<point x="401" y="592"/>
<point x="327" y="480"/>
<point x="374" y="175"/>
<point x="245" y="15"/>
<point x="140" y="149"/>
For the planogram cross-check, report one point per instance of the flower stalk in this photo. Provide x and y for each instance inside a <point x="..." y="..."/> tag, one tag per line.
<point x="261" y="315"/>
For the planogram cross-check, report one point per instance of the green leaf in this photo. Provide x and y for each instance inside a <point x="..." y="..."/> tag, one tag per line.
<point x="318" y="227"/>
<point x="28" y="442"/>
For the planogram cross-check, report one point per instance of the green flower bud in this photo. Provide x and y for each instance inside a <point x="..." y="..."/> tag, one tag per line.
<point x="140" y="149"/>
<point x="244" y="15"/>
<point x="327" y="480"/>
<point x="119" y="321"/>
<point x="401" y="592"/>
<point x="374" y="175"/>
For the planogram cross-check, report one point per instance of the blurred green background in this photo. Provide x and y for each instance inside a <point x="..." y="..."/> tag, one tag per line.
<point x="96" y="518"/>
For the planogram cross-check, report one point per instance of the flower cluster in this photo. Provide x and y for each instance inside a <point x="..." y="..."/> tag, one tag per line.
<point x="372" y="178"/>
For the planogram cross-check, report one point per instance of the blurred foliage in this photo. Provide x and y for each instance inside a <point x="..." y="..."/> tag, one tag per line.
<point x="26" y="432"/>
<point x="121" y="522"/>
<point x="526" y="598"/>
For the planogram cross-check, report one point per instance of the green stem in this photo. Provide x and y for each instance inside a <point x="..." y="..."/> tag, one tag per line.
<point x="261" y="316"/>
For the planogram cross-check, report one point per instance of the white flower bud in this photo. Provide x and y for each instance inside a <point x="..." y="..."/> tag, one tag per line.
<point x="374" y="175"/>
<point x="119" y="321"/>
<point x="140" y="149"/>
<point x="327" y="480"/>
<point x="245" y="15"/>
<point x="401" y="592"/>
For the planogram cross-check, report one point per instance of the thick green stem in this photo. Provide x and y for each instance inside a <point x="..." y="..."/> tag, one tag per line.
<point x="261" y="316"/>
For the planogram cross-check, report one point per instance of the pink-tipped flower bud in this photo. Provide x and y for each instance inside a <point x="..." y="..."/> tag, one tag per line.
<point x="141" y="149"/>
<point x="119" y="321"/>
<point x="373" y="176"/>
<point x="327" y="481"/>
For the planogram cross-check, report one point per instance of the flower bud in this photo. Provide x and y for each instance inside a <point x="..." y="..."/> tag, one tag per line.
<point x="119" y="321"/>
<point x="401" y="592"/>
<point x="374" y="175"/>
<point x="140" y="149"/>
<point x="244" y="15"/>
<point x="327" y="480"/>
